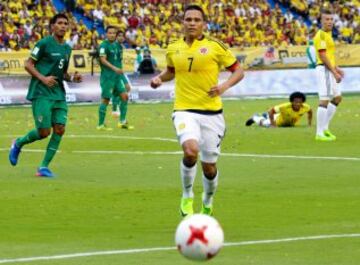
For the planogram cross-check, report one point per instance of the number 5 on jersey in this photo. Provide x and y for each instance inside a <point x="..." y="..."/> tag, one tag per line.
<point x="61" y="64"/>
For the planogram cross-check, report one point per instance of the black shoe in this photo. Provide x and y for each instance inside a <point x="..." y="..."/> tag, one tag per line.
<point x="249" y="122"/>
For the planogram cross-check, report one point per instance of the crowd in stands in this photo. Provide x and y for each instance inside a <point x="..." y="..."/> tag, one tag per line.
<point x="154" y="23"/>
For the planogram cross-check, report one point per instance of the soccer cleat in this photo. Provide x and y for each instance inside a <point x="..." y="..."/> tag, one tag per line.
<point x="249" y="122"/>
<point x="44" y="172"/>
<point x="125" y="125"/>
<point x="115" y="114"/>
<point x="207" y="210"/>
<point x="323" y="138"/>
<point x="186" y="207"/>
<point x="102" y="127"/>
<point x="327" y="133"/>
<point x="14" y="153"/>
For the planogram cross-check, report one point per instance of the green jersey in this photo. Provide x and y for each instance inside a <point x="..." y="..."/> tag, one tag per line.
<point x="52" y="59"/>
<point x="114" y="53"/>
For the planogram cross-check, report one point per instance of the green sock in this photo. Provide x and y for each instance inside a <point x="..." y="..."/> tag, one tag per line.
<point x="51" y="149"/>
<point x="115" y="103"/>
<point x="123" y="110"/>
<point x="102" y="113"/>
<point x="30" y="137"/>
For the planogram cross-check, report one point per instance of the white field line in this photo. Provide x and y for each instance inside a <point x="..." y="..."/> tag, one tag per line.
<point x="108" y="137"/>
<point x="120" y="152"/>
<point x="143" y="250"/>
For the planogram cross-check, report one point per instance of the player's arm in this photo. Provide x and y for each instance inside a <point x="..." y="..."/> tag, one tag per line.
<point x="272" y="113"/>
<point x="310" y="116"/>
<point x="166" y="75"/>
<point x="105" y="62"/>
<point x="236" y="76"/>
<point x="333" y="69"/>
<point x="49" y="81"/>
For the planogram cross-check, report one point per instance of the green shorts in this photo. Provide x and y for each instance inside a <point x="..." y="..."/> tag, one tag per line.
<point x="48" y="112"/>
<point x="124" y="79"/>
<point x="110" y="86"/>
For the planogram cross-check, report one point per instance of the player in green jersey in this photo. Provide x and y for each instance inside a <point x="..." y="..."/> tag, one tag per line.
<point x="48" y="64"/>
<point x="111" y="79"/>
<point x="116" y="98"/>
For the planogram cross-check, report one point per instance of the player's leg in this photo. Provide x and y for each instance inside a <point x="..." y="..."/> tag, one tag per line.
<point x="212" y="133"/>
<point x="324" y="84"/>
<point x="321" y="116"/>
<point x="260" y="120"/>
<point x="124" y="99"/>
<point x="188" y="133"/>
<point x="42" y="117"/>
<point x="332" y="106"/>
<point x="106" y="93"/>
<point x="58" y="119"/>
<point x="115" y="100"/>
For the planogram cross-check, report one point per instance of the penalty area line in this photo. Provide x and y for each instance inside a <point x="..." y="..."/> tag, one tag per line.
<point x="157" y="249"/>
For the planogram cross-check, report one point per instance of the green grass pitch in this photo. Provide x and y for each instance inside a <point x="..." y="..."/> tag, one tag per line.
<point x="118" y="201"/>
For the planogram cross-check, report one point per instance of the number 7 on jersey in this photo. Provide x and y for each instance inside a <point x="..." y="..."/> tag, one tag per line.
<point x="191" y="59"/>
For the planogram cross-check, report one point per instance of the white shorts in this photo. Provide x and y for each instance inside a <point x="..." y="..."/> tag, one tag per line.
<point x="328" y="87"/>
<point x="207" y="130"/>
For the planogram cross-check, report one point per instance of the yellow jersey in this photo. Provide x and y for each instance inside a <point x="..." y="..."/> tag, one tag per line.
<point x="287" y="116"/>
<point x="324" y="41"/>
<point x="196" y="70"/>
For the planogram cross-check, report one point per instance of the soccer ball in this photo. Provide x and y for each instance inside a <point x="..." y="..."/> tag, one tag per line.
<point x="199" y="237"/>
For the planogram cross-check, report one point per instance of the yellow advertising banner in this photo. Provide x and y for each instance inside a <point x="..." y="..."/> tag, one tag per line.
<point x="291" y="57"/>
<point x="82" y="61"/>
<point x="251" y="58"/>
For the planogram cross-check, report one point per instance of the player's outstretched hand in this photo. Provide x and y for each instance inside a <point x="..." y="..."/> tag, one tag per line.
<point x="77" y="78"/>
<point x="49" y="81"/>
<point x="155" y="82"/>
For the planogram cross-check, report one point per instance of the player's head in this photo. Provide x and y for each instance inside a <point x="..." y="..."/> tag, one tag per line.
<point x="111" y="32"/>
<point x="194" y="21"/>
<point x="327" y="19"/>
<point x="297" y="99"/>
<point x="59" y="24"/>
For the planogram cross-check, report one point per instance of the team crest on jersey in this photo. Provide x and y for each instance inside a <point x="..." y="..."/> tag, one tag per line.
<point x="181" y="126"/>
<point x="40" y="118"/>
<point x="203" y="50"/>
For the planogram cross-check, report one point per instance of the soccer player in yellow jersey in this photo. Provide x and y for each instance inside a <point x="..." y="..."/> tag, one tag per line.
<point x="195" y="62"/>
<point x="284" y="115"/>
<point x="328" y="77"/>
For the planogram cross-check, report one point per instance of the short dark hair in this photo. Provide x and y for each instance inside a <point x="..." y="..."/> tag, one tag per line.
<point x="110" y="27"/>
<point x="195" y="7"/>
<point x="326" y="11"/>
<point x="297" y="94"/>
<point x="56" y="17"/>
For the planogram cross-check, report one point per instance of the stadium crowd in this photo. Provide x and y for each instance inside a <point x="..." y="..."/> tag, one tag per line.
<point x="153" y="23"/>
